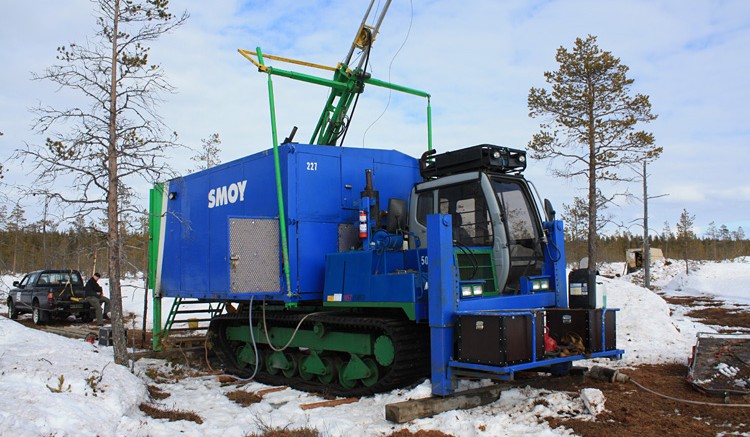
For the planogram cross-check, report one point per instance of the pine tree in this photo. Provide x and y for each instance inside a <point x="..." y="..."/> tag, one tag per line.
<point x="593" y="120"/>
<point x="209" y="153"/>
<point x="685" y="234"/>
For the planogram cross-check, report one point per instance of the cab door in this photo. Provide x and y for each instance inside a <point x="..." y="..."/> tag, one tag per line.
<point x="23" y="292"/>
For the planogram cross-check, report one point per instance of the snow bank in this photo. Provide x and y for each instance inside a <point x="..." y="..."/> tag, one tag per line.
<point x="645" y="329"/>
<point x="53" y="385"/>
<point x="726" y="280"/>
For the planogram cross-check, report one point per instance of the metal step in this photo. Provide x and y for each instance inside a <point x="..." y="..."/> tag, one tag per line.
<point x="186" y="306"/>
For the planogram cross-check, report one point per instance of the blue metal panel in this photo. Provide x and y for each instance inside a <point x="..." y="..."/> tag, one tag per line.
<point x="316" y="199"/>
<point x="506" y="372"/>
<point x="554" y="261"/>
<point x="442" y="297"/>
<point x="321" y="187"/>
<point x="319" y="239"/>
<point x="517" y="302"/>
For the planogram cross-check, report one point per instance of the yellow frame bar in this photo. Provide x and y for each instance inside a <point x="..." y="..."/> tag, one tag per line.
<point x="249" y="56"/>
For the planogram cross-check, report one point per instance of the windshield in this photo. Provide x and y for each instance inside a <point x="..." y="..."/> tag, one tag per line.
<point x="516" y="211"/>
<point x="523" y="233"/>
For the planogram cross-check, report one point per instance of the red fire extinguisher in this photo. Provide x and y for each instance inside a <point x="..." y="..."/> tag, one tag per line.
<point x="550" y="345"/>
<point x="362" y="225"/>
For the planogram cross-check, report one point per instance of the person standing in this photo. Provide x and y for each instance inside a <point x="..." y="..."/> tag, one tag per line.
<point x="95" y="296"/>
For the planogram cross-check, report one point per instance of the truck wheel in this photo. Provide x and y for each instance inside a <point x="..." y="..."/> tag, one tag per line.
<point x="38" y="316"/>
<point x="12" y="311"/>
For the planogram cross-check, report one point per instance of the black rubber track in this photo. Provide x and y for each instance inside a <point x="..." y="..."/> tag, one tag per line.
<point x="410" y="341"/>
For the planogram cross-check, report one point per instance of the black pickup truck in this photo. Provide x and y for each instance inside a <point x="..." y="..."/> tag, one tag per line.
<point x="49" y="294"/>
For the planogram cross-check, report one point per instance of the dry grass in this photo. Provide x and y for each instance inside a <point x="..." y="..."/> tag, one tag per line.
<point x="421" y="433"/>
<point x="244" y="398"/>
<point x="157" y="393"/>
<point x="171" y="415"/>
<point x="286" y="432"/>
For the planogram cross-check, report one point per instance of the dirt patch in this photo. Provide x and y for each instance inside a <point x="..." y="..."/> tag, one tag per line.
<point x="157" y="393"/>
<point x="171" y="415"/>
<point x="284" y="432"/>
<point x="421" y="433"/>
<point x="632" y="411"/>
<point x="244" y="398"/>
<point x="727" y="317"/>
<point x="713" y="312"/>
<point x="691" y="301"/>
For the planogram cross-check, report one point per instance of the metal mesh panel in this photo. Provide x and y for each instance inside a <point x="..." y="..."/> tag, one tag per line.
<point x="254" y="255"/>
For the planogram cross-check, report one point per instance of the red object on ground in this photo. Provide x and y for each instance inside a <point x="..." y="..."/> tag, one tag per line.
<point x="550" y="345"/>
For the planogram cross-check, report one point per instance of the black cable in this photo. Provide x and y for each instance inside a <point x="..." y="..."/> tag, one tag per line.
<point x="470" y="253"/>
<point x="390" y="67"/>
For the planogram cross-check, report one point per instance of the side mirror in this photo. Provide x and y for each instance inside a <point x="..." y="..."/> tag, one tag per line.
<point x="549" y="210"/>
<point x="15" y="283"/>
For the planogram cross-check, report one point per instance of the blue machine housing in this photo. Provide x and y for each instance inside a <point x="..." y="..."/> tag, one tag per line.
<point x="321" y="192"/>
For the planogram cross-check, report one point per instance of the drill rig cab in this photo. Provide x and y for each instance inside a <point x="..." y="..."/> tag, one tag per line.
<point x="496" y="222"/>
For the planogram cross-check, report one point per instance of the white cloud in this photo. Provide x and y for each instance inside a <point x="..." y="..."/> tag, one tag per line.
<point x="478" y="60"/>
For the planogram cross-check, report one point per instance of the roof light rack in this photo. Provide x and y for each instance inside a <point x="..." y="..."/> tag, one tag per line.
<point x="484" y="157"/>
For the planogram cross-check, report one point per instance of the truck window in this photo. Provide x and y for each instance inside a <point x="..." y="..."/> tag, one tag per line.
<point x="33" y="278"/>
<point x="44" y="279"/>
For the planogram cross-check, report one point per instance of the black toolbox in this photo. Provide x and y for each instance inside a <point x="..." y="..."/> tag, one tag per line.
<point x="587" y="323"/>
<point x="499" y="340"/>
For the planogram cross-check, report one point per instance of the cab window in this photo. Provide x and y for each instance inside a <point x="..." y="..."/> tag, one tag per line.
<point x="425" y="206"/>
<point x="471" y="218"/>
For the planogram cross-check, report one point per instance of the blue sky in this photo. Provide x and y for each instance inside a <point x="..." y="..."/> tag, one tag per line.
<point x="478" y="60"/>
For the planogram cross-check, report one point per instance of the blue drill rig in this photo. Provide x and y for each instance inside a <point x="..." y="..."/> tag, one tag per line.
<point x="365" y="270"/>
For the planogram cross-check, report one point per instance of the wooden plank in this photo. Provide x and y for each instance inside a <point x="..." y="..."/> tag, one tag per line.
<point x="69" y="331"/>
<point x="402" y="412"/>
<point x="332" y="403"/>
<point x="271" y="390"/>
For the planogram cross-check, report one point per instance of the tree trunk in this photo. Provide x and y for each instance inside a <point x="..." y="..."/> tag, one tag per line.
<point x="646" y="247"/>
<point x="113" y="228"/>
<point x="592" y="187"/>
<point x="15" y="250"/>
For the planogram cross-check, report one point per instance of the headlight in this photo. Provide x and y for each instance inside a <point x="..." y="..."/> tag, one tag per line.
<point x="466" y="290"/>
<point x="540" y="284"/>
<point x="477" y="289"/>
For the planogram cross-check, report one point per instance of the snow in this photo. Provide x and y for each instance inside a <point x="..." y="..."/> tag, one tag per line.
<point x="726" y="281"/>
<point x="45" y="388"/>
<point x="98" y="397"/>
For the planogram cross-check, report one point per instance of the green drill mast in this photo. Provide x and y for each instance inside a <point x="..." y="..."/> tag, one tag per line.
<point x="347" y="84"/>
